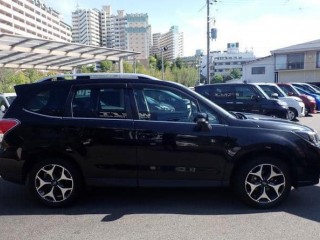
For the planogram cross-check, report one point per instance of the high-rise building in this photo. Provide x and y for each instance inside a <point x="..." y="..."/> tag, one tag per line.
<point x="86" y="27"/>
<point x="172" y="41"/>
<point x="113" y="28"/>
<point x="32" y="18"/>
<point x="138" y="34"/>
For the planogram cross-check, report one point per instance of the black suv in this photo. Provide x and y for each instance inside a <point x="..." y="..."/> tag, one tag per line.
<point x="240" y="97"/>
<point x="67" y="132"/>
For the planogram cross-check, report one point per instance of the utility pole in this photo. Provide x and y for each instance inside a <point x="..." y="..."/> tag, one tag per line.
<point x="208" y="42"/>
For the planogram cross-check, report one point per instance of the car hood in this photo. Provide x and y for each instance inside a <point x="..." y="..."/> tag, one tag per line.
<point x="268" y="122"/>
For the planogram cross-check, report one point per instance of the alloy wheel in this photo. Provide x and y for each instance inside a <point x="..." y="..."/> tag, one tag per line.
<point x="54" y="183"/>
<point x="291" y="115"/>
<point x="265" y="183"/>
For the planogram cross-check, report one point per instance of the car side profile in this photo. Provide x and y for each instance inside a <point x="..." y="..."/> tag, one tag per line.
<point x="295" y="104"/>
<point x="67" y="132"/>
<point x="309" y="102"/>
<point x="242" y="97"/>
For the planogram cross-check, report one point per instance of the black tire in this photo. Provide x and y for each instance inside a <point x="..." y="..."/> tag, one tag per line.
<point x="293" y="114"/>
<point x="255" y="185"/>
<point x="55" y="182"/>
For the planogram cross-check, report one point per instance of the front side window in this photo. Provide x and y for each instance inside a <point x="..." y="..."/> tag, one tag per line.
<point x="161" y="104"/>
<point x="245" y="92"/>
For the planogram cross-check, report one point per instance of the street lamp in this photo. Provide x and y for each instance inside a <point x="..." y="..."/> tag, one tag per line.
<point x="162" y="49"/>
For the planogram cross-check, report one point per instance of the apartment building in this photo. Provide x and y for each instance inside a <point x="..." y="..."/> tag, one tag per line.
<point x="172" y="41"/>
<point x="33" y="18"/>
<point x="113" y="28"/>
<point x="222" y="62"/>
<point x="86" y="27"/>
<point x="138" y="34"/>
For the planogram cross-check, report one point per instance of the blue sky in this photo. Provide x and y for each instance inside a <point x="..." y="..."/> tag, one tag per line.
<point x="258" y="25"/>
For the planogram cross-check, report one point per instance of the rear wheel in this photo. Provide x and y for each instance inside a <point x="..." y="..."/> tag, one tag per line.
<point x="54" y="182"/>
<point x="263" y="182"/>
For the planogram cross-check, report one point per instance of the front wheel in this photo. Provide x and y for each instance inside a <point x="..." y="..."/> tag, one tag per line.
<point x="263" y="182"/>
<point x="292" y="114"/>
<point x="54" y="182"/>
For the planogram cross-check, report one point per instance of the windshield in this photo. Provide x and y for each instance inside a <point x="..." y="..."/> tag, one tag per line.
<point x="307" y="88"/>
<point x="10" y="99"/>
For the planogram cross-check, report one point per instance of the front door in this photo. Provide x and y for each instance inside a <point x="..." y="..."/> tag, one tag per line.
<point x="172" y="151"/>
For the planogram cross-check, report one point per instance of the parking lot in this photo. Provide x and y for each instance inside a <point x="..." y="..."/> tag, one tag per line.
<point x="160" y="214"/>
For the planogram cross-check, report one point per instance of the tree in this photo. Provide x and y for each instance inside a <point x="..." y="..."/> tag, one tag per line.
<point x="106" y="66"/>
<point x="217" y="78"/>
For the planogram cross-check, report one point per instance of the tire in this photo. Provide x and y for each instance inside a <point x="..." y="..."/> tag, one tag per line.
<point x="264" y="182"/>
<point x="54" y="182"/>
<point x="292" y="114"/>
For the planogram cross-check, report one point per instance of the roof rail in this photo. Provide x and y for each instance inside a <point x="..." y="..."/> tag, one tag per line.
<point x="86" y="76"/>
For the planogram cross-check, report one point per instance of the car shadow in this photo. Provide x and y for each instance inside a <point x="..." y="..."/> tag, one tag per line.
<point x="114" y="203"/>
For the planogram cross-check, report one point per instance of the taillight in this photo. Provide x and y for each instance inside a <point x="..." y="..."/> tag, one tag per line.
<point x="6" y="125"/>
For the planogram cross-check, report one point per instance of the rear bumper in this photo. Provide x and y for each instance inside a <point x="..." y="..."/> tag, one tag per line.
<point x="11" y="169"/>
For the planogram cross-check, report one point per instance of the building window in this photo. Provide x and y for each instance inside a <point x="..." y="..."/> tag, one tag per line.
<point x="290" y="61"/>
<point x="318" y="59"/>
<point x="296" y="61"/>
<point x="258" y="70"/>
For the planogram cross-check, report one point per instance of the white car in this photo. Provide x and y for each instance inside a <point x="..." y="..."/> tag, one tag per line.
<point x="295" y="104"/>
<point x="5" y="101"/>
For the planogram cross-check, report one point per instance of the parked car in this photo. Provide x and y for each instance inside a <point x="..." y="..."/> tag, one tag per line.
<point x="309" y="102"/>
<point x="311" y="93"/>
<point x="295" y="104"/>
<point x="59" y="136"/>
<point x="5" y="101"/>
<point x="306" y="87"/>
<point x="246" y="98"/>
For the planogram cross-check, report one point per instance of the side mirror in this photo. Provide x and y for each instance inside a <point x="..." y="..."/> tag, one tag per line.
<point x="275" y="95"/>
<point x="3" y="108"/>
<point x="202" y="123"/>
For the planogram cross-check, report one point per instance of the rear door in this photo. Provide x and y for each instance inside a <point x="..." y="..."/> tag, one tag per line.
<point x="100" y="132"/>
<point x="224" y="95"/>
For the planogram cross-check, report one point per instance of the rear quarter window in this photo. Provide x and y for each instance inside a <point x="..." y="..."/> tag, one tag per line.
<point x="47" y="101"/>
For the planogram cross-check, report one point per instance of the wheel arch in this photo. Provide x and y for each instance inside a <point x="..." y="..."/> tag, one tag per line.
<point x="37" y="157"/>
<point x="279" y="155"/>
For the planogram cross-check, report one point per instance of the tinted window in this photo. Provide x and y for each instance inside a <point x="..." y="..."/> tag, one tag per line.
<point x="48" y="102"/>
<point x="162" y="104"/>
<point x="245" y="92"/>
<point x="105" y="102"/>
<point x="222" y="91"/>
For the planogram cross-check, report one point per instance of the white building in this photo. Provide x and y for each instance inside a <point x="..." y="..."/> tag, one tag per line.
<point x="86" y="27"/>
<point x="297" y="63"/>
<point x="32" y="18"/>
<point x="113" y="28"/>
<point x="172" y="40"/>
<point x="223" y="62"/>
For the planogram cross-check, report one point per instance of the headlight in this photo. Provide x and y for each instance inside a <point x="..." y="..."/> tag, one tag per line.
<point x="310" y="98"/>
<point x="281" y="103"/>
<point x="312" y="137"/>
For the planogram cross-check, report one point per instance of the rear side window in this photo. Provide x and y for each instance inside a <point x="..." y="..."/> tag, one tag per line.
<point x="104" y="102"/>
<point x="47" y="101"/>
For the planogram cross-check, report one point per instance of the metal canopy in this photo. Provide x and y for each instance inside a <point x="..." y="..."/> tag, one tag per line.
<point x="24" y="52"/>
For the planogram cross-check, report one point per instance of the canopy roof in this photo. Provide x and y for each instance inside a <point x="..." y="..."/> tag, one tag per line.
<point x="25" y="52"/>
